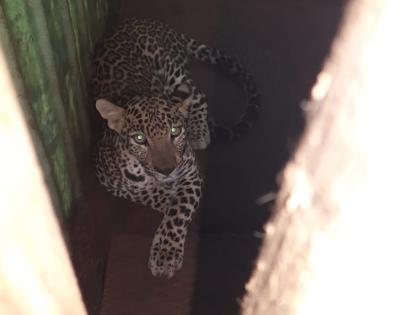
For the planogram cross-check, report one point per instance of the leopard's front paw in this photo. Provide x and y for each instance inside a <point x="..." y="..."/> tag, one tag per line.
<point x="165" y="257"/>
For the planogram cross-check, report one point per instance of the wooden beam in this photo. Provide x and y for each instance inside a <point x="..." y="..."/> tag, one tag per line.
<point x="344" y="236"/>
<point x="36" y="276"/>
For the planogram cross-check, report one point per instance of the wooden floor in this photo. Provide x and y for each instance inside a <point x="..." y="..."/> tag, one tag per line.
<point x="284" y="44"/>
<point x="131" y="288"/>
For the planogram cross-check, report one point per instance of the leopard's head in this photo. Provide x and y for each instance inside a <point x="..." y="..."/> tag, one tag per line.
<point x="152" y="129"/>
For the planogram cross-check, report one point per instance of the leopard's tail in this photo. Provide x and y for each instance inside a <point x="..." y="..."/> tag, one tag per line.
<point x="230" y="67"/>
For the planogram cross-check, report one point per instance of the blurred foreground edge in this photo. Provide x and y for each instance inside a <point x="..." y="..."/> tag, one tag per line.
<point x="36" y="276"/>
<point x="343" y="238"/>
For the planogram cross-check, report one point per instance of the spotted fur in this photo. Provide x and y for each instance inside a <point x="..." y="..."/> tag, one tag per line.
<point x="156" y="117"/>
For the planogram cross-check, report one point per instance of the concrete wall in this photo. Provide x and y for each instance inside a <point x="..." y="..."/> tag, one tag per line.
<point x="48" y="47"/>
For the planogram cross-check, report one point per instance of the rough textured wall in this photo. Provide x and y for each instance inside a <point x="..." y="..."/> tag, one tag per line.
<point x="48" y="45"/>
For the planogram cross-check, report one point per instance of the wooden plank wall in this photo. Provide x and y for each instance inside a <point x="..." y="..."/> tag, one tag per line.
<point x="48" y="46"/>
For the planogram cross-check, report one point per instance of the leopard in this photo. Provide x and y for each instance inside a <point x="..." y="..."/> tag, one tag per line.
<point x="155" y="119"/>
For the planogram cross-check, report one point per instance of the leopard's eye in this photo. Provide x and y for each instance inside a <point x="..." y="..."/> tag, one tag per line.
<point x="139" y="138"/>
<point x="175" y="131"/>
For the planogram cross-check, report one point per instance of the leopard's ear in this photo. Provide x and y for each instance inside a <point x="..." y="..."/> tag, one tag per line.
<point x="112" y="113"/>
<point x="184" y="95"/>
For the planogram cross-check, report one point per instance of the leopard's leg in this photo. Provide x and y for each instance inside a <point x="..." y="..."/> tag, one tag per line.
<point x="197" y="125"/>
<point x="167" y="250"/>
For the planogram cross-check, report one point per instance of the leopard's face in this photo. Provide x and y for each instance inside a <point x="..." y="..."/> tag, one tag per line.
<point x="153" y="132"/>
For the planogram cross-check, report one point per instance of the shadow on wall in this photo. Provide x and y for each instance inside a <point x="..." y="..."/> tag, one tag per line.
<point x="285" y="46"/>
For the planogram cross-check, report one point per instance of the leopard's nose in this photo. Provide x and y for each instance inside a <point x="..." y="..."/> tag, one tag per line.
<point x="164" y="171"/>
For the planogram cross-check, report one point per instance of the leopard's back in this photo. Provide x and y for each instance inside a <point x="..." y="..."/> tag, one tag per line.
<point x="136" y="60"/>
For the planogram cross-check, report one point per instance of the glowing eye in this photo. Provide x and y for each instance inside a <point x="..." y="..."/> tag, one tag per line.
<point x="175" y="131"/>
<point x="140" y="138"/>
